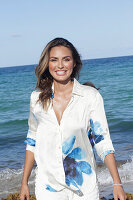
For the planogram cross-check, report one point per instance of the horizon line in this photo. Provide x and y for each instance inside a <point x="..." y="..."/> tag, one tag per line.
<point x="81" y="59"/>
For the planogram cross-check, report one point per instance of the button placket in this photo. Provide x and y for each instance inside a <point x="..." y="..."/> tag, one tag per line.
<point x="59" y="147"/>
<point x="59" y="154"/>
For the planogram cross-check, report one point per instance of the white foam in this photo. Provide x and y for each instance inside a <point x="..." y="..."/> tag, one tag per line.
<point x="125" y="172"/>
<point x="10" y="179"/>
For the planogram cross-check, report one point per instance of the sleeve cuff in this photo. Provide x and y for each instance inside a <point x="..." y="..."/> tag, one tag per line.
<point x="30" y="141"/>
<point x="104" y="154"/>
<point x="30" y="148"/>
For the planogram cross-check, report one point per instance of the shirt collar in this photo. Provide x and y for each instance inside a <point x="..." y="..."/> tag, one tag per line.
<point x="77" y="89"/>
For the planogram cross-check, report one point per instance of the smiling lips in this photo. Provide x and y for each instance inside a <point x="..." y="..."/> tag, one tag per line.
<point x="61" y="72"/>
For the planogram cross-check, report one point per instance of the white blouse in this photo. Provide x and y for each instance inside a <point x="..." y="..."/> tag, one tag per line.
<point x="64" y="153"/>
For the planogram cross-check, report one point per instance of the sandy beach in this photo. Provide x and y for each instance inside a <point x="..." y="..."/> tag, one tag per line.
<point x="15" y="196"/>
<point x="106" y="192"/>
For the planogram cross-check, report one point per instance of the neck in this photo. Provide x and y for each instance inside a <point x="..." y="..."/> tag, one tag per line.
<point x="62" y="87"/>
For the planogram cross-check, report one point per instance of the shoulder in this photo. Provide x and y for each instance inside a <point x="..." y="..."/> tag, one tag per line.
<point x="34" y="95"/>
<point x="87" y="90"/>
<point x="90" y="93"/>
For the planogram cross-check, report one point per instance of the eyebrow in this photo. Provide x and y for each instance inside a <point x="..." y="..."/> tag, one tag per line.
<point x="63" y="57"/>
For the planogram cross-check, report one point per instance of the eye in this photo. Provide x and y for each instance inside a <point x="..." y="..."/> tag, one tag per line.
<point x="67" y="59"/>
<point x="52" y="60"/>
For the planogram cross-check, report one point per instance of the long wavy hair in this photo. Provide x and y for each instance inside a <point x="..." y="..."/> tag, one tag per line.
<point x="44" y="78"/>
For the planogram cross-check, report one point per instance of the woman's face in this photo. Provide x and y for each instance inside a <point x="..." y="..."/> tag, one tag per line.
<point x="61" y="63"/>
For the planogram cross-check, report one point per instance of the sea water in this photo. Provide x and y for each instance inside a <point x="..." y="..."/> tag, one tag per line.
<point x="114" y="77"/>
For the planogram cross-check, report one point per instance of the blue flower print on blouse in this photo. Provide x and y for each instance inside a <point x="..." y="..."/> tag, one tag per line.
<point x="30" y="141"/>
<point x="90" y="136"/>
<point x="73" y="168"/>
<point x="52" y="96"/>
<point x="95" y="133"/>
<point x="48" y="187"/>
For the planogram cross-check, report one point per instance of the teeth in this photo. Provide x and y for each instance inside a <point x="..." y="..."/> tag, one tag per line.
<point x="60" y="72"/>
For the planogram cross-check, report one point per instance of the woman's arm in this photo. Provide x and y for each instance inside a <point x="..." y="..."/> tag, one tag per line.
<point x="103" y="144"/>
<point x="118" y="191"/>
<point x="29" y="162"/>
<point x="30" y="148"/>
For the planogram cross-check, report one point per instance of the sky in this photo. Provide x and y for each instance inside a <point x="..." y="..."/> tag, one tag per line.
<point x="97" y="28"/>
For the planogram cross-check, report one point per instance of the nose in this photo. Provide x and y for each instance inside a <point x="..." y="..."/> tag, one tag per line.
<point x="60" y="64"/>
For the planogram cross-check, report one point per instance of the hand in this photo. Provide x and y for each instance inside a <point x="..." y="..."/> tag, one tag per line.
<point x="119" y="193"/>
<point x="24" y="193"/>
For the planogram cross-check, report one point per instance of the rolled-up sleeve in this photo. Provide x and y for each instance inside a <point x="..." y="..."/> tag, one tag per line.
<point x="99" y="130"/>
<point x="32" y="123"/>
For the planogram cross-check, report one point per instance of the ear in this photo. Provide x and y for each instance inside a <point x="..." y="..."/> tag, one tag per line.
<point x="74" y="65"/>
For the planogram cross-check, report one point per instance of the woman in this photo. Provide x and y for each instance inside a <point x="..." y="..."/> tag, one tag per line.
<point x="66" y="121"/>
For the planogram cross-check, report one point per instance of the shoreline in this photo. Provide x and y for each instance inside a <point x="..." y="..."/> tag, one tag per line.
<point x="106" y="192"/>
<point x="15" y="196"/>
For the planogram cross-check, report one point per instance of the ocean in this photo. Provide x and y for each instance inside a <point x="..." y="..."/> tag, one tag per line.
<point x="114" y="77"/>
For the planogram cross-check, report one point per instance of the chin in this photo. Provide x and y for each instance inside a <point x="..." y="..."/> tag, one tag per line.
<point x="62" y="79"/>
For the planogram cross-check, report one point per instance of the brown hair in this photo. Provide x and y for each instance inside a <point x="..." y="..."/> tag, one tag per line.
<point x="90" y="84"/>
<point x="44" y="78"/>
